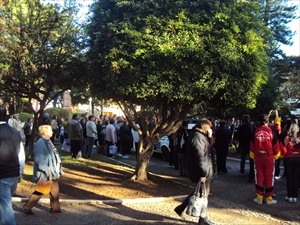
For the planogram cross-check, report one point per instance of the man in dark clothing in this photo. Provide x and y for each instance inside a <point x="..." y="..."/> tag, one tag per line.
<point x="126" y="139"/>
<point x="222" y="141"/>
<point x="181" y="148"/>
<point x="244" y="136"/>
<point x="10" y="146"/>
<point x="75" y="135"/>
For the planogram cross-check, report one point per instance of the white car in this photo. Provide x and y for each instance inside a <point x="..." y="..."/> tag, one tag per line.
<point x="162" y="146"/>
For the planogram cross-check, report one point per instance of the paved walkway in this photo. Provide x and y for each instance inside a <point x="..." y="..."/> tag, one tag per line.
<point x="231" y="202"/>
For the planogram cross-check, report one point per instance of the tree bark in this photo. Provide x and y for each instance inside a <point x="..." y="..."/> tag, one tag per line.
<point x="143" y="158"/>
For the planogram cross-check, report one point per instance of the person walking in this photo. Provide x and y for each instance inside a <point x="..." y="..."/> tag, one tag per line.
<point x="11" y="167"/>
<point x="75" y="135"/>
<point x="290" y="151"/>
<point x="264" y="148"/>
<point x="91" y="132"/>
<point x="200" y="168"/>
<point x="222" y="141"/>
<point x="47" y="164"/>
<point x="244" y="137"/>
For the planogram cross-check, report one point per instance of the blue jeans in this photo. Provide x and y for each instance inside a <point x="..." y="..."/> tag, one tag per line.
<point x="8" y="187"/>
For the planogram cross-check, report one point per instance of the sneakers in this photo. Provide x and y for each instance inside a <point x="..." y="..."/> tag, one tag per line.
<point x="271" y="202"/>
<point x="125" y="157"/>
<point x="257" y="201"/>
<point x="277" y="177"/>
<point x="288" y="199"/>
<point x="242" y="174"/>
<point x="205" y="221"/>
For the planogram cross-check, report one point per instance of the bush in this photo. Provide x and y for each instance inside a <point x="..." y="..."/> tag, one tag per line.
<point x="24" y="116"/>
<point x="59" y="112"/>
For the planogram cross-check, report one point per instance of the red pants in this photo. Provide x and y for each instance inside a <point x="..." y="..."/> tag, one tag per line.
<point x="264" y="175"/>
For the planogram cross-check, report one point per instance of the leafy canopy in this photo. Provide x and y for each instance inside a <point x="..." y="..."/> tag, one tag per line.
<point x="150" y="53"/>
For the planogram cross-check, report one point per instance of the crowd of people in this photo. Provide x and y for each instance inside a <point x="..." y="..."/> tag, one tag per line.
<point x="84" y="132"/>
<point x="201" y="152"/>
<point x="267" y="141"/>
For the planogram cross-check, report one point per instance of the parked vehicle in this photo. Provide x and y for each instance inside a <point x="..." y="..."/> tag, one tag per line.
<point x="162" y="146"/>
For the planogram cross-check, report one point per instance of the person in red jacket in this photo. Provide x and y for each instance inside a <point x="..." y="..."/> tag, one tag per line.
<point x="290" y="151"/>
<point x="264" y="148"/>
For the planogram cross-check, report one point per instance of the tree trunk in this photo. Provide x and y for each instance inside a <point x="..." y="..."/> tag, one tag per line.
<point x="143" y="158"/>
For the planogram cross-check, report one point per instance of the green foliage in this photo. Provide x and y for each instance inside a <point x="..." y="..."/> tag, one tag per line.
<point x="59" y="112"/>
<point x="23" y="116"/>
<point x="170" y="51"/>
<point x="40" y="45"/>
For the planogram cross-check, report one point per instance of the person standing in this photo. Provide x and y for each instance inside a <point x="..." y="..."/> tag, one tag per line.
<point x="10" y="120"/>
<point x="181" y="148"/>
<point x="91" y="132"/>
<point x="84" y="137"/>
<point x="244" y="137"/>
<point x="200" y="166"/>
<point x="110" y="135"/>
<point x="11" y="165"/>
<point x="27" y="128"/>
<point x="222" y="141"/>
<point x="126" y="139"/>
<point x="17" y="123"/>
<point x="290" y="151"/>
<point x="47" y="164"/>
<point x="55" y="128"/>
<point x="264" y="148"/>
<point x="136" y="139"/>
<point x="75" y="135"/>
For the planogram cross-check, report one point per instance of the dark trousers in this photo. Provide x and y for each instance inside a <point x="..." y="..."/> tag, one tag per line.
<point x="126" y="147"/>
<point x="27" y="138"/>
<point x="222" y="153"/>
<point x="277" y="167"/>
<point x="245" y="149"/>
<point x="292" y="172"/>
<point x="182" y="164"/>
<point x="75" y="147"/>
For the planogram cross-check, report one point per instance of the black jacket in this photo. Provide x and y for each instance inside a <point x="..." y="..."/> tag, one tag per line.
<point x="10" y="141"/>
<point x="200" y="158"/>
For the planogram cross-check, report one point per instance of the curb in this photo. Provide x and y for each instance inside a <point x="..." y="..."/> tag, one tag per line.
<point x="121" y="201"/>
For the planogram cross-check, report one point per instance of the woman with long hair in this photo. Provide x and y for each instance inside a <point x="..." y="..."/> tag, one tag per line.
<point x="290" y="151"/>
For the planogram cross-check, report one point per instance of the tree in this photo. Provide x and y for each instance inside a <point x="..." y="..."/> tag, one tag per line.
<point x="276" y="14"/>
<point x="40" y="47"/>
<point x="167" y="56"/>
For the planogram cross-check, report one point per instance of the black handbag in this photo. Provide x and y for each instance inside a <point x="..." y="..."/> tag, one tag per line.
<point x="198" y="201"/>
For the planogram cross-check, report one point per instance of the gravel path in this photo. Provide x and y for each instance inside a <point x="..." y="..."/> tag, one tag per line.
<point x="231" y="202"/>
